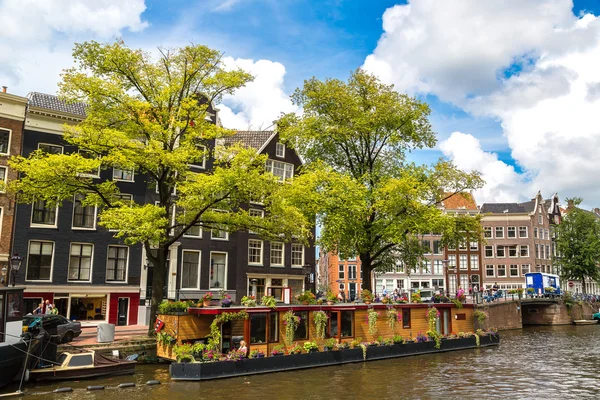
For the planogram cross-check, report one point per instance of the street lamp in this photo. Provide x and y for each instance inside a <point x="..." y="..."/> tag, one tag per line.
<point x="15" y="264"/>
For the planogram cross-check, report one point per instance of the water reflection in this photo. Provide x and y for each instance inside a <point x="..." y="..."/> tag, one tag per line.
<point x="534" y="363"/>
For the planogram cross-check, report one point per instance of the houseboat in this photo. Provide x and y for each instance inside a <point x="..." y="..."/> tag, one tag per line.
<point x="205" y="342"/>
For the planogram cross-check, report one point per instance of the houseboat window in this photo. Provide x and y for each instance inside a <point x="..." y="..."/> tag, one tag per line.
<point x="258" y="328"/>
<point x="14" y="309"/>
<point x="81" y="360"/>
<point x="302" y="331"/>
<point x="347" y="324"/>
<point x="273" y="327"/>
<point x="406" y="318"/>
<point x="333" y="325"/>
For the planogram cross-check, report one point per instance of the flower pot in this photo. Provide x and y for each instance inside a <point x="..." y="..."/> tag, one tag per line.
<point x="277" y="355"/>
<point x="367" y="301"/>
<point x="305" y="302"/>
<point x="225" y="305"/>
<point x="206" y="303"/>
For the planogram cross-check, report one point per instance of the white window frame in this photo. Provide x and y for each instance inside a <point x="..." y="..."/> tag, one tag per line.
<point x="38" y="225"/>
<point x="199" y="252"/>
<point x="523" y="229"/>
<point x="282" y="263"/>
<point x="213" y="237"/>
<point x="187" y="233"/>
<point x="508" y="231"/>
<point x="352" y="268"/>
<point x="5" y="180"/>
<point x="9" y="141"/>
<point x="487" y="229"/>
<point x="438" y="267"/>
<point x="78" y="228"/>
<point x="262" y="248"/>
<point x="270" y="167"/>
<point x="498" y="229"/>
<point x="516" y="248"/>
<point x="474" y="265"/>
<point x="498" y="271"/>
<point x="62" y="148"/>
<point x="203" y="165"/>
<point x="279" y="146"/>
<point x="452" y="261"/>
<point x="224" y="287"/>
<point x="465" y="263"/>
<point x="342" y="269"/>
<point x="173" y="192"/>
<point x="528" y="269"/>
<point x="51" y="260"/>
<point x="503" y="251"/>
<point x="259" y="213"/>
<point x="91" y="262"/>
<point x="473" y="245"/>
<point x="521" y="248"/>
<point x="112" y="282"/>
<point x="85" y="175"/>
<point x="121" y="179"/>
<point x="535" y="232"/>
<point x="487" y="247"/>
<point x="510" y="269"/>
<point x="493" y="269"/>
<point x="292" y="254"/>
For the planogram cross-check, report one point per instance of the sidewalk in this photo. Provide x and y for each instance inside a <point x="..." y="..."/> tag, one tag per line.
<point x="123" y="334"/>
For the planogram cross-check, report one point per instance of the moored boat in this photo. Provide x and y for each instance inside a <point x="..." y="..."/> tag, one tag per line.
<point x="86" y="364"/>
<point x="585" y="322"/>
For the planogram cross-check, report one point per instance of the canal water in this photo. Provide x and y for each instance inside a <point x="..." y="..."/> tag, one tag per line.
<point x="561" y="362"/>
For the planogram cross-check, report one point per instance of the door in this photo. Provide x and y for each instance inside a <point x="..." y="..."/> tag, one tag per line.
<point x="352" y="291"/>
<point x="122" y="310"/>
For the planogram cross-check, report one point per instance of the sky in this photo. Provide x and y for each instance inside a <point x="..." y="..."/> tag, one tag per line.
<point x="514" y="85"/>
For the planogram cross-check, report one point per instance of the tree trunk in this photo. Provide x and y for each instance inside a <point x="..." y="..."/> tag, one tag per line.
<point x="367" y="269"/>
<point x="583" y="286"/>
<point x="158" y="284"/>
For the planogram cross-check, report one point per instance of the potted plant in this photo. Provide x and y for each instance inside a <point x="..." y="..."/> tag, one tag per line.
<point x="520" y="292"/>
<point x="530" y="291"/>
<point x="236" y="355"/>
<point x="311" y="347"/>
<point x="277" y="350"/>
<point x="295" y="349"/>
<point x="331" y="298"/>
<point x="385" y="300"/>
<point x="329" y="344"/>
<point x="372" y="317"/>
<point x="256" y="353"/>
<point x="307" y="297"/>
<point x="206" y="299"/>
<point x="397" y="339"/>
<point x="226" y="300"/>
<point x="269" y="301"/>
<point x="342" y="345"/>
<point x="421" y="338"/>
<point x="248" y="301"/>
<point x="321" y="320"/>
<point x="367" y="296"/>
<point x="416" y="297"/>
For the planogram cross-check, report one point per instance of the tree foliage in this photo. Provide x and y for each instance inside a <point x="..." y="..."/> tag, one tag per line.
<point x="578" y="245"/>
<point x="372" y="202"/>
<point x="151" y="114"/>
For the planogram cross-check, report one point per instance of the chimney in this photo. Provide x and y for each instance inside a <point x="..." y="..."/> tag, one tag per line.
<point x="4" y="89"/>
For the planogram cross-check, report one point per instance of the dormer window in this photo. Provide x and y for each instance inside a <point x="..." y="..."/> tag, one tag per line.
<point x="281" y="170"/>
<point x="280" y="150"/>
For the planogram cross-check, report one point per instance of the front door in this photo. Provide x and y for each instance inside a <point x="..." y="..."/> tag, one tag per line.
<point x="352" y="291"/>
<point x="122" y="310"/>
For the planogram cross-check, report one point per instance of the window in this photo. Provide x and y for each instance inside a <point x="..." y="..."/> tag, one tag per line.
<point x="273" y="327"/>
<point x="547" y="234"/>
<point x="452" y="283"/>
<point x="80" y="262"/>
<point x="260" y="287"/>
<point x="524" y="269"/>
<point x="511" y="232"/>
<point x="280" y="169"/>
<point x="2" y="178"/>
<point x="297" y="255"/>
<point x="438" y="267"/>
<point x="116" y="267"/>
<point x="42" y="214"/>
<point x="83" y="360"/>
<point x="540" y="219"/>
<point x="425" y="267"/>
<point x="500" y="251"/>
<point x="4" y="141"/>
<point x="542" y="252"/>
<point x="406" y="318"/>
<point x="514" y="270"/>
<point x="200" y="162"/>
<point x="523" y="232"/>
<point x="474" y="245"/>
<point x="341" y="271"/>
<point x="489" y="251"/>
<point x="437" y="247"/>
<point x="351" y="271"/>
<point x="464" y="281"/>
<point x="548" y="251"/>
<point x="255" y="213"/>
<point x="190" y="269"/>
<point x="92" y="173"/>
<point x="489" y="270"/>
<point x="280" y="150"/>
<point x="462" y="245"/>
<point x="195" y="231"/>
<point x="123" y="174"/>
<point x="39" y="261"/>
<point x="218" y="233"/>
<point x="255" y="251"/>
<point x="302" y="331"/>
<point x="463" y="261"/>
<point x="276" y="253"/>
<point x="499" y="232"/>
<point x="426" y="246"/>
<point x="437" y="282"/>
<point x="451" y="261"/>
<point x="537" y="251"/>
<point x="487" y="231"/>
<point x="83" y="216"/>
<point x="535" y="233"/>
<point x="512" y="251"/>
<point x="50" y="148"/>
<point x="524" y="251"/>
<point x="501" y="270"/>
<point x="258" y="328"/>
<point x="218" y="271"/>
<point x="474" y="262"/>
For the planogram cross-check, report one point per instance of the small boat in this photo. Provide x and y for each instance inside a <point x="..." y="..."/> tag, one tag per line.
<point x="86" y="364"/>
<point x="585" y="322"/>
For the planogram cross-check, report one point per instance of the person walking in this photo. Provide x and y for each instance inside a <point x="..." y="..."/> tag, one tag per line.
<point x="49" y="308"/>
<point x="39" y="309"/>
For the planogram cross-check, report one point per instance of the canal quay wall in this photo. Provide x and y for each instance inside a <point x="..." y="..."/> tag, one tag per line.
<point x="514" y="314"/>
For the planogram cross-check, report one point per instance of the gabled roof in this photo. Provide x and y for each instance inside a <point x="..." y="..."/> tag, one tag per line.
<point x="500" y="208"/>
<point x="529" y="206"/>
<point x="53" y="103"/>
<point x="459" y="201"/>
<point x="255" y="139"/>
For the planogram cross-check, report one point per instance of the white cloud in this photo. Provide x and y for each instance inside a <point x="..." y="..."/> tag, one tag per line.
<point x="260" y="102"/>
<point x="459" y="50"/>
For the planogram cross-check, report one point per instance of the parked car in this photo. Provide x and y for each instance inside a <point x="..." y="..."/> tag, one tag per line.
<point x="57" y="326"/>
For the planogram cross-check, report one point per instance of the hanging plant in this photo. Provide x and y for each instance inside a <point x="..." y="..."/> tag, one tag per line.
<point x="393" y="317"/>
<point x="432" y="315"/>
<point x="214" y="338"/>
<point x="291" y="322"/>
<point x="372" y="316"/>
<point x="321" y="319"/>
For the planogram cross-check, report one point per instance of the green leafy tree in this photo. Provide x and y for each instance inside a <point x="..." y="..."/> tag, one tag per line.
<point x="578" y="245"/>
<point x="371" y="202"/>
<point x="149" y="114"/>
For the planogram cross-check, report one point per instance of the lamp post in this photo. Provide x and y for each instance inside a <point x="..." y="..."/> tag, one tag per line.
<point x="15" y="264"/>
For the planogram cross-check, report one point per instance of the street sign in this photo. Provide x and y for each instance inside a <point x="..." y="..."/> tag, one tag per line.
<point x="571" y="284"/>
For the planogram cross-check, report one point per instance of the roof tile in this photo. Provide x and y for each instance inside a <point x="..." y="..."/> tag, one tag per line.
<point x="255" y="139"/>
<point x="460" y="201"/>
<point x="52" y="102"/>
